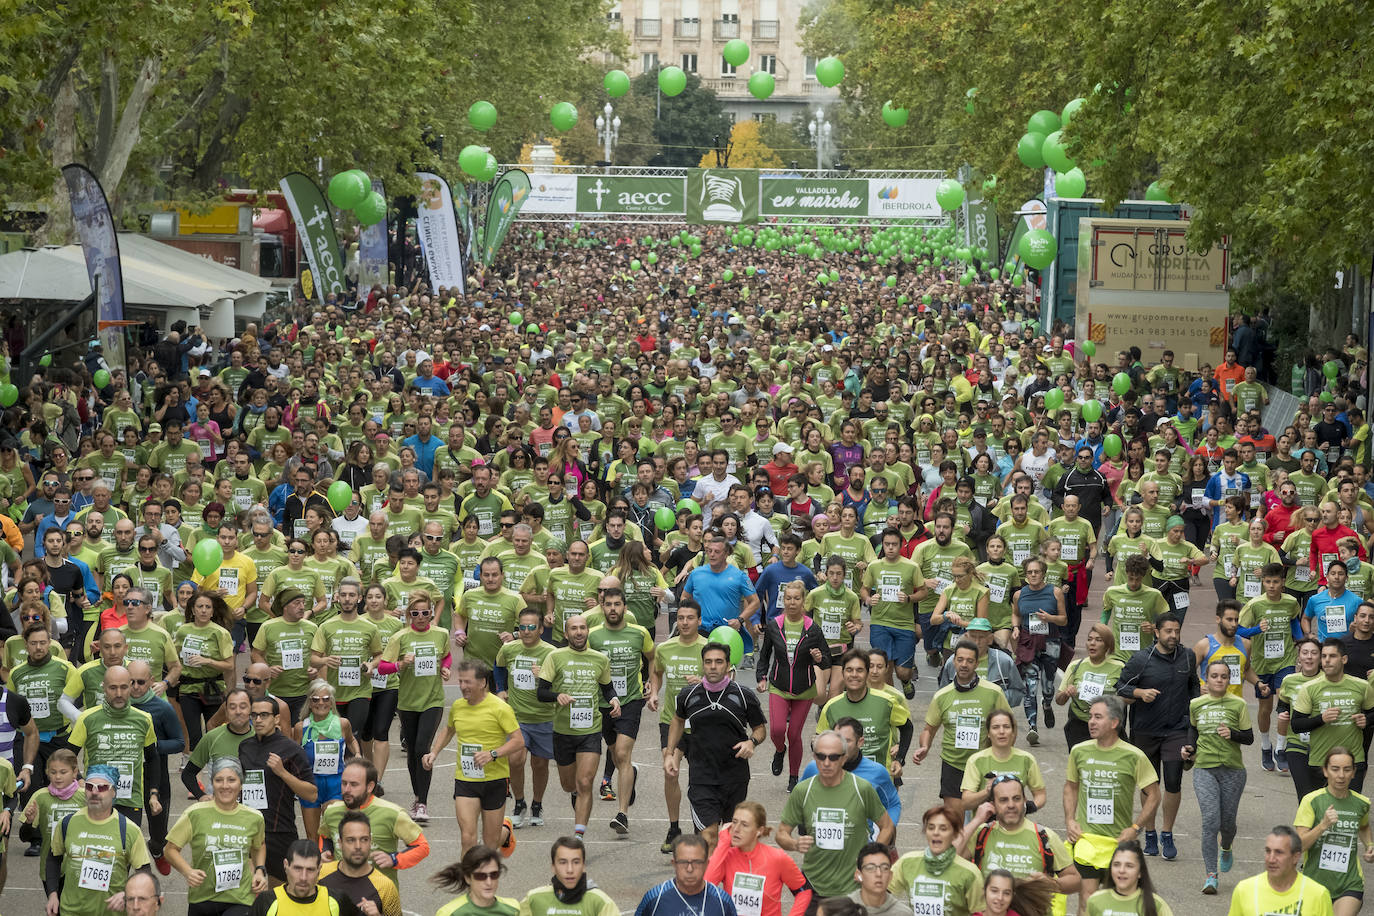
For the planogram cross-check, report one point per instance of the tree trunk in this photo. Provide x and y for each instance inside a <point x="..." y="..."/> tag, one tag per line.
<point x="59" y="229"/>
<point x="125" y="137"/>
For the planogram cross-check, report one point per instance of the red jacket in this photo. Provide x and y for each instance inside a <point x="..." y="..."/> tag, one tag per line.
<point x="1279" y="522"/>
<point x="1324" y="542"/>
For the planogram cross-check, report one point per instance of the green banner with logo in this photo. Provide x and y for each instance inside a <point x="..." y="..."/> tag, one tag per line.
<point x="982" y="227"/>
<point x="838" y="197"/>
<point x="630" y="194"/>
<point x="723" y="196"/>
<point x="507" y="198"/>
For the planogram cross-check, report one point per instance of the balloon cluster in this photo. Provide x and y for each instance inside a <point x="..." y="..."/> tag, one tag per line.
<point x="352" y="190"/>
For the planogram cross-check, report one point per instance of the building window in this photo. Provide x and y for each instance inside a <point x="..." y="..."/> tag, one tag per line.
<point x="727" y="69"/>
<point x="768" y="63"/>
<point x="689" y="63"/>
<point x="810" y="67"/>
<point x="650" y="61"/>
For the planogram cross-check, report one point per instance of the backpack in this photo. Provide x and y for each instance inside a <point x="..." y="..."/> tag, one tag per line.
<point x="123" y="829"/>
<point x="980" y="843"/>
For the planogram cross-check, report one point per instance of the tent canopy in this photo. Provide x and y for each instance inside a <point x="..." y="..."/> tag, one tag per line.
<point x="155" y="275"/>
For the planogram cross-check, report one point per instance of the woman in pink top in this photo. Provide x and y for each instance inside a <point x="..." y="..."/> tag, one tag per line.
<point x="205" y="433"/>
<point x="754" y="874"/>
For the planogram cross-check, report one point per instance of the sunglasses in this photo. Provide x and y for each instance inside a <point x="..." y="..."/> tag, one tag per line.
<point x="508" y="524"/>
<point x="139" y="682"/>
<point x="61" y="502"/>
<point x="527" y="627"/>
<point x="828" y="758"/>
<point x="83" y="478"/>
<point x="254" y="680"/>
<point x="486" y="875"/>
<point x="147" y="550"/>
<point x="324" y="699"/>
<point x="434" y="537"/>
<point x="421" y="613"/>
<point x="99" y="787"/>
<point x="296" y="550"/>
<point x="134" y="602"/>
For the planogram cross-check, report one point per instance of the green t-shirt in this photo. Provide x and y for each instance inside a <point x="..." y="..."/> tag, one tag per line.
<point x="985" y="763"/>
<point x="116" y="737"/>
<point x="1226" y="537"/>
<point x="1350" y="695"/>
<point x="1125" y="611"/>
<point x="1018" y="851"/>
<point x="1001" y="580"/>
<point x="519" y="661"/>
<point x="355" y="642"/>
<point x="626" y="649"/>
<point x="1272" y="650"/>
<point x="887" y="580"/>
<point x="221" y="845"/>
<point x="43" y="686"/>
<point x="286" y="645"/>
<point x="218" y="742"/>
<point x="675" y="663"/>
<point x="853" y="550"/>
<point x="421" y="684"/>
<point x="392" y="828"/>
<point x="305" y="579"/>
<point x="1333" y="860"/>
<point x="1075" y="538"/>
<point x="1246" y="563"/>
<point x="48" y="814"/>
<point x="837" y="819"/>
<point x="956" y="891"/>
<point x="543" y="902"/>
<point x="579" y="675"/>
<point x="964" y="714"/>
<point x="97" y="851"/>
<point x="1288" y="690"/>
<point x="486" y="616"/>
<point x="1207" y="714"/>
<point x="1092" y="681"/>
<point x="1107" y="902"/>
<point x="831" y="610"/>
<point x="879" y="714"/>
<point x="1107" y="782"/>
<point x="462" y="905"/>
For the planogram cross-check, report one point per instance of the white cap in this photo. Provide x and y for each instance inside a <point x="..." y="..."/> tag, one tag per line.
<point x="827" y="349"/>
<point x="780" y="447"/>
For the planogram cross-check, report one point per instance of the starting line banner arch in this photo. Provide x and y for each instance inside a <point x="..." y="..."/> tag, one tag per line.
<point x="734" y="197"/>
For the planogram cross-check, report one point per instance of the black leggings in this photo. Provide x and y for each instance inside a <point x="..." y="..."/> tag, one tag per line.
<point x="196" y="712"/>
<point x="1301" y="773"/>
<point x="157" y="823"/>
<point x="217" y="908"/>
<point x="356" y="711"/>
<point x="377" y="725"/>
<point x="417" y="730"/>
<point x="1075" y="730"/>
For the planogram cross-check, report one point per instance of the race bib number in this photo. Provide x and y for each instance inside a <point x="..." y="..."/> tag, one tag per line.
<point x="1273" y="647"/>
<point x="968" y="733"/>
<point x="997" y="590"/>
<point x="1334" y="857"/>
<point x="1101" y="806"/>
<point x="830" y="629"/>
<point x="522" y="676"/>
<point x="747" y="892"/>
<point x="299" y="529"/>
<point x="125" y="788"/>
<point x="40" y="707"/>
<point x="1228" y="568"/>
<point x="890" y="592"/>
<point x="1254" y="499"/>
<point x="484" y="526"/>
<point x="1037" y="625"/>
<point x="228" y="870"/>
<point x="426" y="664"/>
<point x="1335" y="622"/>
<point x="1091" y="687"/>
<point x="620" y="683"/>
<point x="1182" y="601"/>
<point x="828" y="827"/>
<point x="1130" y="640"/>
<point x="1251" y="588"/>
<point x="581" y="714"/>
<point x="1070" y="550"/>
<point x="254" y="791"/>
<point x="95" y="875"/>
<point x="292" y="658"/>
<point x="242" y="500"/>
<point x="927" y="906"/>
<point x="229" y="580"/>
<point x="1302" y="574"/>
<point x="1019" y="556"/>
<point x="467" y="759"/>
<point x="940" y="584"/>
<point x="327" y="757"/>
<point x="206" y="447"/>
<point x="378" y="681"/>
<point x="1235" y="672"/>
<point x="350" y="671"/>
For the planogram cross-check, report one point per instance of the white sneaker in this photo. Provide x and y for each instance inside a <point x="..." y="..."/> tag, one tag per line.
<point x="421" y="814"/>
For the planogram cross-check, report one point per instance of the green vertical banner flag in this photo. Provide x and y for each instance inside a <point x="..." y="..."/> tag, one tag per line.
<point x="982" y="222"/>
<point x="315" y="223"/>
<point x="728" y="196"/>
<point x="509" y="195"/>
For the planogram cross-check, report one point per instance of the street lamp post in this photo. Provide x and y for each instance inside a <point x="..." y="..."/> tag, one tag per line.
<point x="607" y="131"/>
<point x="820" y="137"/>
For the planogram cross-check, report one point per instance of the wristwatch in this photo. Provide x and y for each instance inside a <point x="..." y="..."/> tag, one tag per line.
<point x="495" y="754"/>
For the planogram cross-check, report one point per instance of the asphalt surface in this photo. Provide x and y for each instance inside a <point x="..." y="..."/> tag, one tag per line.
<point x="625" y="867"/>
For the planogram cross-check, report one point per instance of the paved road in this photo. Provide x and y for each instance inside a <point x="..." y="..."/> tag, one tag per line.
<point x="626" y="867"/>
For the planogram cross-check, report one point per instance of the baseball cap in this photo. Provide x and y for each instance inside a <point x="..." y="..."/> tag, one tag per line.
<point x="780" y="447"/>
<point x="980" y="624"/>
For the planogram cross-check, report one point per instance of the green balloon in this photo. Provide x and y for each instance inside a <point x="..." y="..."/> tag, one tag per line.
<point x="347" y="189"/>
<point x="891" y="280"/>
<point x="950" y="194"/>
<point x="727" y="275"/>
<point x="1327" y="397"/>
<point x="1121" y="383"/>
<point x="45" y="360"/>
<point x="101" y="378"/>
<point x="340" y="494"/>
<point x="1043" y="121"/>
<point x="761" y="85"/>
<point x="735" y="52"/>
<point x="1028" y="150"/>
<point x="617" y="83"/>
<point x="1089" y="348"/>
<point x="651" y="257"/>
<point x="689" y="504"/>
<point x="1092" y="411"/>
<point x="473" y="160"/>
<point x="727" y="635"/>
<point x="482" y="116"/>
<point x="490" y="169"/>
<point x="925" y="299"/>
<point x="635" y="265"/>
<point x="1158" y="190"/>
<point x="207" y="556"/>
<point x="1111" y="445"/>
<point x="1054" y="399"/>
<point x="372" y="210"/>
<point x="894" y="117"/>
<point x="515" y="318"/>
<point x="1070" y="110"/>
<point x="665" y="519"/>
<point x="691" y="291"/>
<point x="1071" y="184"/>
<point x="829" y="71"/>
<point x="1038" y="248"/>
<point x="1331" y="369"/>
<point x="1055" y="154"/>
<point x="9" y="395"/>
<point x="671" y="81"/>
<point x="750" y="270"/>
<point x="994" y="273"/>
<point x="563" y="116"/>
<point x="531" y="328"/>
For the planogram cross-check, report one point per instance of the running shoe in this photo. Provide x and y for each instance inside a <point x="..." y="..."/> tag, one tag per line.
<point x="620" y="824"/>
<point x="1267" y="758"/>
<point x="779" y="757"/>
<point x="1033" y="737"/>
<point x="909" y="687"/>
<point x="607" y="793"/>
<point x="1166" y="845"/>
<point x="1281" y="760"/>
<point x="1209" y="887"/>
<point x="1228" y="858"/>
<point x="791" y="783"/>
<point x="1048" y="711"/>
<point x="634" y="783"/>
<point x="673" y="834"/>
<point x="163" y="866"/>
<point x="517" y="815"/>
<point x="507" y="838"/>
<point x="1151" y="843"/>
<point x="421" y="813"/>
<point x="536" y="814"/>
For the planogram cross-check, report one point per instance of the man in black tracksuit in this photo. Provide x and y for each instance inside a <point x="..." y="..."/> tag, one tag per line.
<point x="1162" y="680"/>
<point x="1088" y="484"/>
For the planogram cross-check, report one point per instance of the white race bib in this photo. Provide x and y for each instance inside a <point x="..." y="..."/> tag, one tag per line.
<point x="228" y="869"/>
<point x="350" y="671"/>
<point x="581" y="714"/>
<point x="1019" y="556"/>
<point x="522" y="676"/>
<point x="254" y="791"/>
<point x="378" y="681"/>
<point x="95" y="875"/>
<point x="229" y="579"/>
<point x="39" y="707"/>
<point x="927" y="906"/>
<point x="968" y="733"/>
<point x="620" y="683"/>
<point x="1182" y="600"/>
<point x="1335" y="622"/>
<point x="890" y="593"/>
<point x="426" y="665"/>
<point x="1302" y="574"/>
<point x="828" y="828"/>
<point x="1273" y="647"/>
<point x="1101" y="806"/>
<point x="1251" y="588"/>
<point x="747" y="892"/>
<point x="292" y="658"/>
<point x="125" y="787"/>
<point x="327" y="757"/>
<point x="1069" y="553"/>
<point x="467" y="754"/>
<point x="997" y="590"/>
<point x="830" y="629"/>
<point x="1334" y="857"/>
<point x="1091" y="687"/>
<point x="1130" y="640"/>
<point x="1037" y="625"/>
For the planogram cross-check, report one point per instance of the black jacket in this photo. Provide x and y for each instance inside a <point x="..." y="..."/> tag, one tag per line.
<point x="1174" y="676"/>
<point x="796" y="674"/>
<point x="1092" y="490"/>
